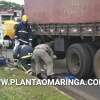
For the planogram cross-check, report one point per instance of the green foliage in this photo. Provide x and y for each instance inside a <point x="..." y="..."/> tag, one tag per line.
<point x="27" y="92"/>
<point x="7" y="5"/>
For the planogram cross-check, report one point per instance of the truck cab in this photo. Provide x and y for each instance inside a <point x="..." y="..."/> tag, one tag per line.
<point x="1" y="36"/>
<point x="4" y="17"/>
<point x="8" y="23"/>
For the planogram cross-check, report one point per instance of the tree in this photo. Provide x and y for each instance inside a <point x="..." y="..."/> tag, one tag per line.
<point x="9" y="5"/>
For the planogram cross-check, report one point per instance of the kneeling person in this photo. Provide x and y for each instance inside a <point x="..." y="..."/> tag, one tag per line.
<point x="45" y="53"/>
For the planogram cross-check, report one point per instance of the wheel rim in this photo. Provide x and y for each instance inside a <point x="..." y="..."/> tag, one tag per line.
<point x="74" y="63"/>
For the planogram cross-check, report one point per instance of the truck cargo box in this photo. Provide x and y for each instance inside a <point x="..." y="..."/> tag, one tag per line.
<point x="63" y="11"/>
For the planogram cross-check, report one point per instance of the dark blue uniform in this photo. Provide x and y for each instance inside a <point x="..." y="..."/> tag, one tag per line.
<point x="23" y="35"/>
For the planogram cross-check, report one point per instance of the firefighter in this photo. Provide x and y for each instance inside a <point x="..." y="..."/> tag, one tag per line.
<point x="43" y="53"/>
<point x="23" y="26"/>
<point x="23" y="33"/>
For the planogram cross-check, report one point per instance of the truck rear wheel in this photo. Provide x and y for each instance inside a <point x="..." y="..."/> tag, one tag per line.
<point x="97" y="64"/>
<point x="92" y="50"/>
<point x="78" y="60"/>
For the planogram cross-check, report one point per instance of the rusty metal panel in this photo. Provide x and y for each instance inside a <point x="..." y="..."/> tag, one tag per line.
<point x="63" y="11"/>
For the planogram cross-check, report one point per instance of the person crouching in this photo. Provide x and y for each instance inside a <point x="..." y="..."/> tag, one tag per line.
<point x="45" y="53"/>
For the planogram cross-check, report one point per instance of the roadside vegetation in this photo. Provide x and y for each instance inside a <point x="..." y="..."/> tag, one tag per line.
<point x="27" y="92"/>
<point x="7" y="5"/>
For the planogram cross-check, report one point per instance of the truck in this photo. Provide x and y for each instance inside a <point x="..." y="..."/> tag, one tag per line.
<point x="74" y="28"/>
<point x="1" y="36"/>
<point x="8" y="20"/>
<point x="5" y="16"/>
<point x="9" y="32"/>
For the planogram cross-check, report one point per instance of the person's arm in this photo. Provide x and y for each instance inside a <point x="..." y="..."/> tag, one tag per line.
<point x="30" y="31"/>
<point x="30" y="35"/>
<point x="16" y="27"/>
<point x="51" y="50"/>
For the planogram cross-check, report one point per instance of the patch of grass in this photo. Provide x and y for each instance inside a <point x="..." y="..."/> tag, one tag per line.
<point x="27" y="92"/>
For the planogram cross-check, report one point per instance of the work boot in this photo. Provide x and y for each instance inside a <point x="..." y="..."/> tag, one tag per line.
<point x="52" y="77"/>
<point x="39" y="76"/>
<point x="16" y="62"/>
<point x="29" y="72"/>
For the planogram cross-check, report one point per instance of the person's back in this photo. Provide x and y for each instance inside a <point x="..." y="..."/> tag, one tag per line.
<point x="43" y="53"/>
<point x="42" y="46"/>
<point x="46" y="48"/>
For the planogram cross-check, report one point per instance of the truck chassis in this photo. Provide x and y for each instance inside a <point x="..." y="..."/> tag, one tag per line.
<point x="79" y="43"/>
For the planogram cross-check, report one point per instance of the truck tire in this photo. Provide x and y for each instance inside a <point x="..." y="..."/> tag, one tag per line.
<point x="92" y="50"/>
<point x="97" y="64"/>
<point x="78" y="60"/>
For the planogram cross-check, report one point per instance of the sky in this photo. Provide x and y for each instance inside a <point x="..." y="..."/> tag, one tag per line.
<point x="16" y="1"/>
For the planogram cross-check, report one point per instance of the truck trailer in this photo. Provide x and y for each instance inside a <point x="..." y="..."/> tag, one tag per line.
<point x="74" y="26"/>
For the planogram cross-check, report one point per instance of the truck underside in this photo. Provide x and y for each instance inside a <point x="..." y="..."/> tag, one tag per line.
<point x="79" y="43"/>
